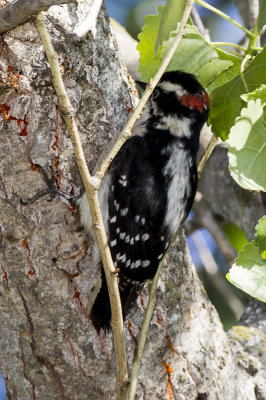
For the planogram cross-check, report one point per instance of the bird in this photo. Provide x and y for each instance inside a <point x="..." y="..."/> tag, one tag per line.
<point x="149" y="188"/>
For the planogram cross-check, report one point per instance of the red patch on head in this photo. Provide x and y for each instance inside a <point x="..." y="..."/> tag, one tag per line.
<point x="195" y="101"/>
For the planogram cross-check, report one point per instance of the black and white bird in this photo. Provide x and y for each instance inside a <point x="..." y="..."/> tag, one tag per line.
<point x="149" y="187"/>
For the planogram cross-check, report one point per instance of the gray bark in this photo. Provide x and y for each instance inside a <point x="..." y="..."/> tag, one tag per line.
<point x="48" y="348"/>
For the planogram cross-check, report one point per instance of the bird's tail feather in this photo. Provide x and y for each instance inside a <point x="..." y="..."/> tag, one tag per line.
<point x="100" y="313"/>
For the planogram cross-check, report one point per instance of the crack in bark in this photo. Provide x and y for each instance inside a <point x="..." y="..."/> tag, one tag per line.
<point x="44" y="361"/>
<point x="5" y="275"/>
<point x="27" y="377"/>
<point x="76" y="294"/>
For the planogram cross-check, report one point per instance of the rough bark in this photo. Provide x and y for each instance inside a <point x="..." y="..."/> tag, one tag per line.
<point x="48" y="348"/>
<point x="46" y="262"/>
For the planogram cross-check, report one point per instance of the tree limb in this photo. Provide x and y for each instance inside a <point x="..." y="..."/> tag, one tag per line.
<point x="19" y="11"/>
<point x="91" y="185"/>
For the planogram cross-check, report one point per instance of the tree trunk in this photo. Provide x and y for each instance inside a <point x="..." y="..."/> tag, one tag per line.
<point x="48" y="348"/>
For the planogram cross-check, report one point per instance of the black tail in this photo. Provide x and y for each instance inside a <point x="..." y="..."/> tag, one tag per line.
<point x="100" y="313"/>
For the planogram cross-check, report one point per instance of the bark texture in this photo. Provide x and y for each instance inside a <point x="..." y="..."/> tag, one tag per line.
<point x="47" y="343"/>
<point x="48" y="348"/>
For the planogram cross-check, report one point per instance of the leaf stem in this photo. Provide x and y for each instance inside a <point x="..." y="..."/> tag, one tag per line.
<point x="242" y="68"/>
<point x="225" y="16"/>
<point x="228" y="44"/>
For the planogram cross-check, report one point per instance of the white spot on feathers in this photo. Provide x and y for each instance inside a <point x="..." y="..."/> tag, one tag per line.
<point x="124" y="211"/>
<point x="145" y="263"/>
<point x="145" y="237"/>
<point x="137" y="217"/>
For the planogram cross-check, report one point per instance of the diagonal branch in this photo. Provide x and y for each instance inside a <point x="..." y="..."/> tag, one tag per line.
<point x="91" y="185"/>
<point x="19" y="11"/>
<point x="143" y="334"/>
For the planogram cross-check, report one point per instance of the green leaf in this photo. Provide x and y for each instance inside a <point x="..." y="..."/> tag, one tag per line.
<point x="210" y="71"/>
<point x="193" y="52"/>
<point x="262" y="15"/>
<point x="261" y="234"/>
<point x="247" y="148"/>
<point x="172" y="14"/>
<point x="228" y="74"/>
<point x="259" y="93"/>
<point x="249" y="272"/>
<point x="193" y="55"/>
<point x="149" y="64"/>
<point x="226" y="102"/>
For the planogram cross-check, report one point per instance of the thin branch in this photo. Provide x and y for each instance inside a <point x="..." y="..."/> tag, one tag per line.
<point x="126" y="132"/>
<point x="242" y="69"/>
<point x="91" y="185"/>
<point x="206" y="154"/>
<point x="143" y="335"/>
<point x="225" y="16"/>
<point x="19" y="11"/>
<point x="152" y="296"/>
